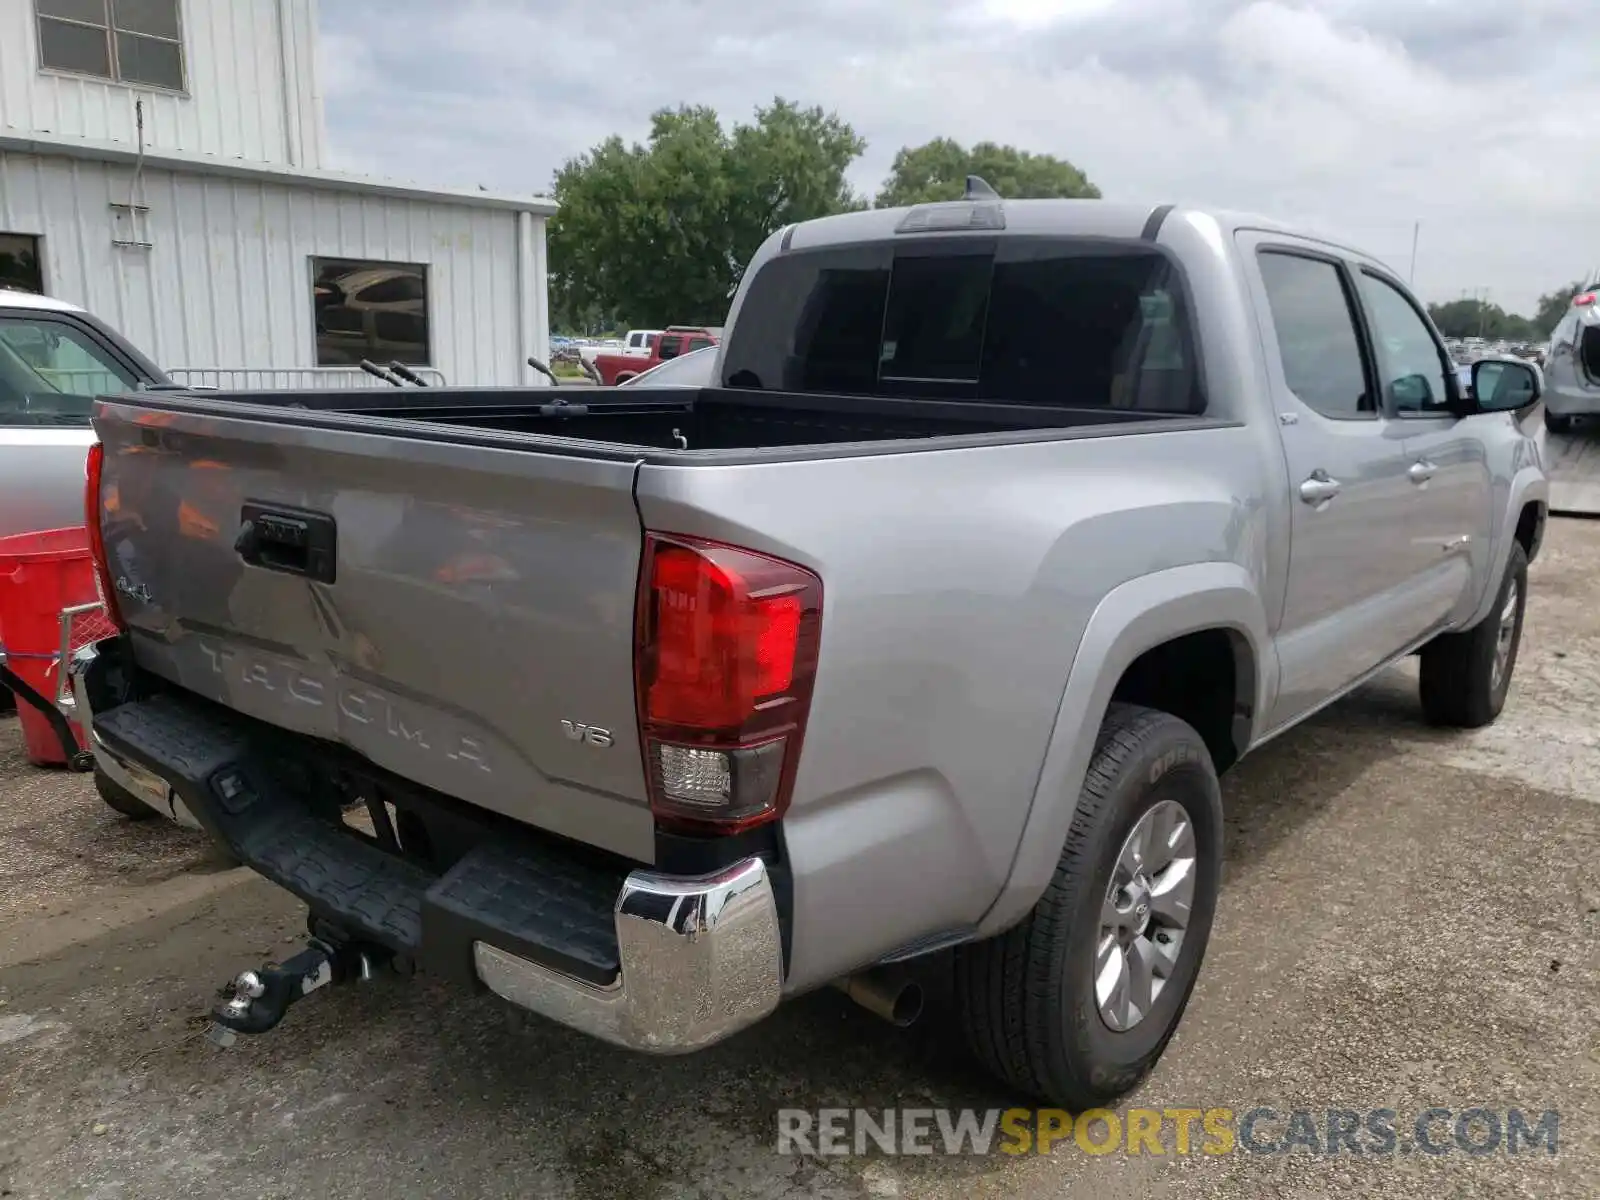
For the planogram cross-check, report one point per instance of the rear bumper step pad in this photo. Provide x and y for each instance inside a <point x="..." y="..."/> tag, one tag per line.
<point x="535" y="903"/>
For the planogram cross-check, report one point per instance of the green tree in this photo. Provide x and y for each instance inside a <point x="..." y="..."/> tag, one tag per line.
<point x="939" y="170"/>
<point x="1477" y="318"/>
<point x="1553" y="306"/>
<point x="660" y="233"/>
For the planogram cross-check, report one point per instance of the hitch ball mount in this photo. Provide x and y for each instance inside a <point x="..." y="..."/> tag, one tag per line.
<point x="255" y="1001"/>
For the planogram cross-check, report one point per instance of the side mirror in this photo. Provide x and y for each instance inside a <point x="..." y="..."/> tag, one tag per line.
<point x="1501" y="386"/>
<point x="1412" y="393"/>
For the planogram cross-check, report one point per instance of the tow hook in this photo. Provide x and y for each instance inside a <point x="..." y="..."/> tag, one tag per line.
<point x="256" y="1000"/>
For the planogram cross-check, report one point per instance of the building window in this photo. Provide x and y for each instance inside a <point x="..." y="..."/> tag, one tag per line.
<point x="375" y="310"/>
<point x="20" y="270"/>
<point x="131" y="41"/>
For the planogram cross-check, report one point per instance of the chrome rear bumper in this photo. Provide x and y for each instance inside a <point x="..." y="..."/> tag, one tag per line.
<point x="701" y="959"/>
<point x="698" y="957"/>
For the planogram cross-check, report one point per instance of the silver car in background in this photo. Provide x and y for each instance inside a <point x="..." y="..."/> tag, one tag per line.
<point x="1572" y="363"/>
<point x="55" y="358"/>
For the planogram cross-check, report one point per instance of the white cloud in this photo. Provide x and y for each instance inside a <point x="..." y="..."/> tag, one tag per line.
<point x="1359" y="116"/>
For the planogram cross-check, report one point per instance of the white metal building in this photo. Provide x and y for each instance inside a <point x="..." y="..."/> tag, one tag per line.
<point x="162" y="164"/>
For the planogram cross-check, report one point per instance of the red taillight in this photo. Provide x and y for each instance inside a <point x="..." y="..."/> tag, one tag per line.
<point x="97" y="544"/>
<point x="725" y="658"/>
<point x="1584" y="300"/>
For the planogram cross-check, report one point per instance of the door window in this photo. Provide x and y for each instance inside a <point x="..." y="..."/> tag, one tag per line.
<point x="50" y="373"/>
<point x="1317" y="341"/>
<point x="1411" y="365"/>
<point x="670" y="346"/>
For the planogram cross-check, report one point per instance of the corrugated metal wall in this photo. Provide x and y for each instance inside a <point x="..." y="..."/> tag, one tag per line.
<point x="252" y="94"/>
<point x="226" y="281"/>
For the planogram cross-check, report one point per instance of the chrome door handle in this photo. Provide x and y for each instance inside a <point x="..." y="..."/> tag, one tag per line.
<point x="1421" y="471"/>
<point x="1319" y="488"/>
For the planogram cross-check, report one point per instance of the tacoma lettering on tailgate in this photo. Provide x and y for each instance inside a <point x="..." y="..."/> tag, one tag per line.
<point x="365" y="707"/>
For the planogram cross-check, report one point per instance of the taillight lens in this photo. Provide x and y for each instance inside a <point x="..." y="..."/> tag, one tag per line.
<point x="1583" y="300"/>
<point x="92" y="515"/>
<point x="725" y="659"/>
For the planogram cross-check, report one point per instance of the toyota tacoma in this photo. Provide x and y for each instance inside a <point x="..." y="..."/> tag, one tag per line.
<point x="646" y="709"/>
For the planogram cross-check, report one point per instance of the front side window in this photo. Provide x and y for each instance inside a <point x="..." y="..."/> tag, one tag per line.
<point x="50" y="373"/>
<point x="130" y="41"/>
<point x="1028" y="321"/>
<point x="1317" y="340"/>
<point x="1411" y="367"/>
<point x="373" y="310"/>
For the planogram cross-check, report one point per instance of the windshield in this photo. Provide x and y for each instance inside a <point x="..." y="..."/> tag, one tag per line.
<point x="51" y="371"/>
<point x="1067" y="323"/>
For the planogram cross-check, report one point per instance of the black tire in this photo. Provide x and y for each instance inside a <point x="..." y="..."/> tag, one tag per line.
<point x="1459" y="688"/>
<point x="121" y="799"/>
<point x="1556" y="423"/>
<point x="1026" y="999"/>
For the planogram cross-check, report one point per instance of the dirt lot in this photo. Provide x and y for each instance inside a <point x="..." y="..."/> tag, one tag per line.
<point x="1410" y="919"/>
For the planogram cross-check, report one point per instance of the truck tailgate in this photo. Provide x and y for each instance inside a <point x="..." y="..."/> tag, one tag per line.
<point x="459" y="614"/>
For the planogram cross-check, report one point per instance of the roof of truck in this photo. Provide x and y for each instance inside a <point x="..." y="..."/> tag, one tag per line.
<point x="18" y="299"/>
<point x="1090" y="218"/>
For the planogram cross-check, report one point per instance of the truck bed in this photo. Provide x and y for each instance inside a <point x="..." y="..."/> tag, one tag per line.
<point x="444" y="580"/>
<point x="666" y="419"/>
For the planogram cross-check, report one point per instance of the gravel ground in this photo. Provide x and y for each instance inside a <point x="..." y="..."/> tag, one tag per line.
<point x="1407" y="922"/>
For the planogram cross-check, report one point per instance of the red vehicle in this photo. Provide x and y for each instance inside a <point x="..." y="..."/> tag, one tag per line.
<point x="673" y="341"/>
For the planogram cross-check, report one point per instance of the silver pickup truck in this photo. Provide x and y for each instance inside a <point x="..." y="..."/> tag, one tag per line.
<point x="1003" y="531"/>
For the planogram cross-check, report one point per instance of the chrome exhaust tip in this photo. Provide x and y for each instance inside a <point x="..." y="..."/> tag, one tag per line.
<point x="885" y="992"/>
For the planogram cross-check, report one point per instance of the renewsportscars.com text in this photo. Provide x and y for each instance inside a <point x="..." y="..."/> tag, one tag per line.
<point x="1168" y="1131"/>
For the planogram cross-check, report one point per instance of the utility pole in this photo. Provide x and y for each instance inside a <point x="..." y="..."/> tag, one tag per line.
<point x="1416" y="232"/>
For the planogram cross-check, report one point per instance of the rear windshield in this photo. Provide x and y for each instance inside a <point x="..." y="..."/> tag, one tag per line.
<point x="1063" y="323"/>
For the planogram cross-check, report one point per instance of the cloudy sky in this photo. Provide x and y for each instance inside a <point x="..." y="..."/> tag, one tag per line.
<point x="1479" y="119"/>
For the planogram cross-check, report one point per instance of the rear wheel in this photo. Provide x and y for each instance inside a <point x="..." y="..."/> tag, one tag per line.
<point x="1556" y="423"/>
<point x="120" y="798"/>
<point x="1077" y="1003"/>
<point x="1466" y="676"/>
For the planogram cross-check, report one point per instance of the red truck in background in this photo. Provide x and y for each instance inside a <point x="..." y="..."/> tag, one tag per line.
<point x="674" y="340"/>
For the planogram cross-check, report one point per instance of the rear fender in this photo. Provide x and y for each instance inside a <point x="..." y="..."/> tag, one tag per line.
<point x="1135" y="617"/>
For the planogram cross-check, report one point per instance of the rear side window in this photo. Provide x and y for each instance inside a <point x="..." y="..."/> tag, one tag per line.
<point x="1317" y="341"/>
<point x="1057" y="322"/>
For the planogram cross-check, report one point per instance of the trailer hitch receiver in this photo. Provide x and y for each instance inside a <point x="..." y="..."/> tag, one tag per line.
<point x="255" y="1001"/>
